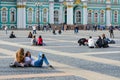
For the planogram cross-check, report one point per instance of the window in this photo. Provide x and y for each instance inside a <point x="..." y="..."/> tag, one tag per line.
<point x="78" y="17"/>
<point x="115" y="1"/>
<point x="101" y="1"/>
<point x="96" y="1"/>
<point x="30" y="15"/>
<point x="56" y="0"/>
<point x="95" y="17"/>
<point x="37" y="15"/>
<point x="115" y="16"/>
<point x="12" y="15"/>
<point x="56" y="17"/>
<point x="45" y="15"/>
<point x="4" y="15"/>
<point x="102" y="16"/>
<point x="89" y="16"/>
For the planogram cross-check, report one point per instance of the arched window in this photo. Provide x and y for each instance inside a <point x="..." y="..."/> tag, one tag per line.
<point x="78" y="17"/>
<point x="101" y="1"/>
<point x="56" y="17"/>
<point x="45" y="15"/>
<point x="89" y="16"/>
<point x="96" y="1"/>
<point x="30" y="15"/>
<point x="115" y="16"/>
<point x="115" y="1"/>
<point x="12" y="15"/>
<point x="56" y="0"/>
<point x="95" y="17"/>
<point x="102" y="13"/>
<point x="4" y="14"/>
<point x="37" y="16"/>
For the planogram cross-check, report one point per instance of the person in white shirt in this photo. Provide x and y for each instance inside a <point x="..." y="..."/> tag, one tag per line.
<point x="36" y="63"/>
<point x="6" y="29"/>
<point x="91" y="43"/>
<point x="34" y="29"/>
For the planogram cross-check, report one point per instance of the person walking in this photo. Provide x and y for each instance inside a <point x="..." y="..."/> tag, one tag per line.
<point x="6" y="29"/>
<point x="34" y="29"/>
<point x="111" y="31"/>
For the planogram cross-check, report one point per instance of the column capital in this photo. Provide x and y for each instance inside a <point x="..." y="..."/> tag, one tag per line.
<point x="108" y="2"/>
<point x="21" y="6"/>
<point x="108" y="8"/>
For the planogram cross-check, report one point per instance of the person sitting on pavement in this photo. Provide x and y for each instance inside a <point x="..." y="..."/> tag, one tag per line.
<point x="36" y="63"/>
<point x="12" y="35"/>
<point x="82" y="41"/>
<point x="99" y="42"/>
<point x="30" y="35"/>
<point x="91" y="43"/>
<point x="34" y="41"/>
<point x="104" y="41"/>
<point x="19" y="60"/>
<point x="59" y="31"/>
<point x="40" y="41"/>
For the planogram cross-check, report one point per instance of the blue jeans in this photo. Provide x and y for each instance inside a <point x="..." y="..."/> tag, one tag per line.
<point x="34" y="31"/>
<point x="41" y="59"/>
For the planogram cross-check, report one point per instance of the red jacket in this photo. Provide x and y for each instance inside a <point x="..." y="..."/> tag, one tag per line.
<point x="39" y="41"/>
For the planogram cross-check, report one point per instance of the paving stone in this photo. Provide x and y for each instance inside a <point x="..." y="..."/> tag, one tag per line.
<point x="54" y="78"/>
<point x="66" y="42"/>
<point x="114" y="56"/>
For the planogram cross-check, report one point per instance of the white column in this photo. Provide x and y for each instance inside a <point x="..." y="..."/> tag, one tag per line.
<point x="108" y="13"/>
<point x="51" y="11"/>
<point x="21" y="14"/>
<point x="85" y="13"/>
<point x="61" y="13"/>
<point x="70" y="12"/>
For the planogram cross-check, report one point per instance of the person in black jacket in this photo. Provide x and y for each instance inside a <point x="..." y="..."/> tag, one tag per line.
<point x="99" y="42"/>
<point x="12" y="35"/>
<point x="111" y="31"/>
<point x="82" y="41"/>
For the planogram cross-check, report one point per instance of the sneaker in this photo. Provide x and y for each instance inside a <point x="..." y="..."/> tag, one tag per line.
<point x="12" y="65"/>
<point x="51" y="66"/>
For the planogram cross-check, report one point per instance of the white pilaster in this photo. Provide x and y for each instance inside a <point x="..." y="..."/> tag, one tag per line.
<point x="21" y="14"/>
<point x="85" y="15"/>
<point x="61" y="13"/>
<point x="70" y="12"/>
<point x="108" y="13"/>
<point x="51" y="11"/>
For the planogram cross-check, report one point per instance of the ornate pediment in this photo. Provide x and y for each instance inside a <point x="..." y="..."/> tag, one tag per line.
<point x="77" y="2"/>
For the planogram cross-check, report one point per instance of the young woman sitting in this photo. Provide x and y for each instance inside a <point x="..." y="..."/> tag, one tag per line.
<point x="19" y="60"/>
<point x="34" y="41"/>
<point x="40" y="41"/>
<point x="30" y="35"/>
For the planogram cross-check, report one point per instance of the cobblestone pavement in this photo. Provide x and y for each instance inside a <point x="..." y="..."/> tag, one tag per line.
<point x="71" y="61"/>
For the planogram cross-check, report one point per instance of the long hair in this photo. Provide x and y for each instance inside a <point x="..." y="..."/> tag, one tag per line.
<point x="20" y="55"/>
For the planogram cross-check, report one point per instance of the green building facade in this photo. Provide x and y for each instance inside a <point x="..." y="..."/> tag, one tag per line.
<point x="26" y="13"/>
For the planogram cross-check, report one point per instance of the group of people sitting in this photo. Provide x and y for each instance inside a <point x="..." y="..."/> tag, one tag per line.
<point x="26" y="60"/>
<point x="34" y="41"/>
<point x="38" y="41"/>
<point x="101" y="42"/>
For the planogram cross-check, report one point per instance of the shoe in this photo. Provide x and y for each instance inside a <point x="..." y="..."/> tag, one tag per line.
<point x="43" y="55"/>
<point x="51" y="66"/>
<point x="12" y="65"/>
